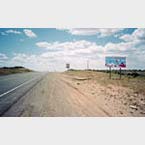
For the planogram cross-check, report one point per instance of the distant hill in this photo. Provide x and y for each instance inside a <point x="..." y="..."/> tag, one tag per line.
<point x="13" y="70"/>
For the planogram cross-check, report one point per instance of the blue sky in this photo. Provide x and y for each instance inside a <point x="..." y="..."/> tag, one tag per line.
<point x="50" y="48"/>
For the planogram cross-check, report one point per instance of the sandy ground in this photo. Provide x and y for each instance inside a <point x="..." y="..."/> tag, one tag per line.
<point x="80" y="94"/>
<point x="125" y="97"/>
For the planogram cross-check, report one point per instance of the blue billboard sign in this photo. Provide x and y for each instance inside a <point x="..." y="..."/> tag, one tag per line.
<point x="111" y="61"/>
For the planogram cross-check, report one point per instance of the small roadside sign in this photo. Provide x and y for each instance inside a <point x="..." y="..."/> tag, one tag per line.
<point x="67" y="65"/>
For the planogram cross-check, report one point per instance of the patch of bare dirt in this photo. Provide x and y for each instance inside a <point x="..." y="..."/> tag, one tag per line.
<point x="121" y="97"/>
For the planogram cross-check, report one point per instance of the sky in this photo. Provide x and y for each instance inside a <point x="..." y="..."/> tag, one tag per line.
<point x="49" y="49"/>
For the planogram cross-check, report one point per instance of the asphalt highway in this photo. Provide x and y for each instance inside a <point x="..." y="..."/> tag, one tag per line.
<point x="13" y="87"/>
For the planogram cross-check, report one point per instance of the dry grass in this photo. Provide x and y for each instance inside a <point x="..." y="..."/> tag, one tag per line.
<point x="137" y="83"/>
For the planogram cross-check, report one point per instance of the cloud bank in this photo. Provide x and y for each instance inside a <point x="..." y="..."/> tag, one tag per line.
<point x="77" y="53"/>
<point x="102" y="32"/>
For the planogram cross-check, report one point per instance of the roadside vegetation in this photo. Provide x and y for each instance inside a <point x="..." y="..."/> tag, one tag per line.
<point x="13" y="70"/>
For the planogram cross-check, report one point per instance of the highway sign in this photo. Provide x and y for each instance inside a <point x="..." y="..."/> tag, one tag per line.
<point x="67" y="65"/>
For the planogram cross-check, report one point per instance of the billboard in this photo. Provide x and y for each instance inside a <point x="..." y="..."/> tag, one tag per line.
<point x="115" y="61"/>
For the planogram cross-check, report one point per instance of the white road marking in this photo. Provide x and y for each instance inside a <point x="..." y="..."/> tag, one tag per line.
<point x="17" y="87"/>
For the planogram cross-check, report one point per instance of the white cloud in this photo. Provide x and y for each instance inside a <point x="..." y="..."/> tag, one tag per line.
<point x="3" y="57"/>
<point x="127" y="37"/>
<point x="43" y="44"/>
<point x="10" y="31"/>
<point x="102" y="32"/>
<point x="42" y="62"/>
<point x="13" y="31"/>
<point x="109" y="31"/>
<point x="137" y="35"/>
<point x="29" y="33"/>
<point x="85" y="47"/>
<point x="65" y="45"/>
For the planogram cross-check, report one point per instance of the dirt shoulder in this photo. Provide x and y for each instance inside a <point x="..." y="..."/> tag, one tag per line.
<point x="124" y="97"/>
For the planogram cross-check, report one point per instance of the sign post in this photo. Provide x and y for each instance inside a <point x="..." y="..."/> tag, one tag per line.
<point x="110" y="72"/>
<point x="115" y="61"/>
<point x="120" y="73"/>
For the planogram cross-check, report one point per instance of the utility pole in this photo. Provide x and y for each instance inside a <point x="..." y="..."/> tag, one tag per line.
<point x="87" y="64"/>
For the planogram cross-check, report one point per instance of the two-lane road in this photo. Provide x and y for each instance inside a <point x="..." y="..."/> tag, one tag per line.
<point x="13" y="87"/>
